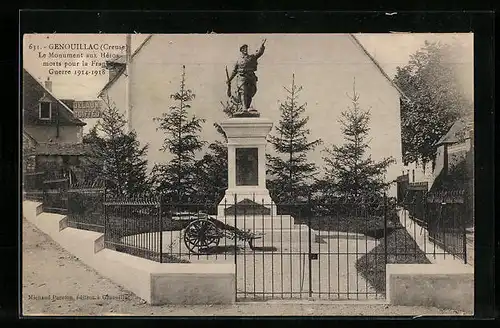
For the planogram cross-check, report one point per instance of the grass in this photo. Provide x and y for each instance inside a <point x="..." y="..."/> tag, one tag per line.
<point x="401" y="249"/>
<point x="371" y="226"/>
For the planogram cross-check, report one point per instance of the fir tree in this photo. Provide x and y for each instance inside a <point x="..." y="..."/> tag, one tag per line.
<point x="116" y="156"/>
<point x="177" y="179"/>
<point x="291" y="172"/>
<point x="212" y="167"/>
<point x="350" y="172"/>
<point x="229" y="107"/>
<point x="211" y="174"/>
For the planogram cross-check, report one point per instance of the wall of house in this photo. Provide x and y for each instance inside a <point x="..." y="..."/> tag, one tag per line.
<point x="420" y="173"/>
<point x="67" y="134"/>
<point x="43" y="161"/>
<point x="440" y="156"/>
<point x="28" y="161"/>
<point x="326" y="76"/>
<point x="456" y="153"/>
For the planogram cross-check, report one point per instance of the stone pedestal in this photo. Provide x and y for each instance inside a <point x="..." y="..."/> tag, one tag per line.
<point x="246" y="166"/>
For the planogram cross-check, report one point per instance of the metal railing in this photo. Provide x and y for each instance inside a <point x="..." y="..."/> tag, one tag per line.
<point x="86" y="208"/>
<point x="336" y="249"/>
<point x="279" y="250"/>
<point x="447" y="221"/>
<point x="443" y="217"/>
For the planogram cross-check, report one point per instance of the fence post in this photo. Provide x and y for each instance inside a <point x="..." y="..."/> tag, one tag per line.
<point x="426" y="220"/>
<point x="67" y="202"/>
<point x="104" y="212"/>
<point x="44" y="194"/>
<point x="309" y="242"/>
<point x="465" y="213"/>
<point x="235" y="226"/>
<point x="385" y="228"/>
<point x="235" y="248"/>
<point x="161" y="229"/>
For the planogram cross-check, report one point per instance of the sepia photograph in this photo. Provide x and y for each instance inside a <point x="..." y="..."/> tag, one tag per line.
<point x="248" y="174"/>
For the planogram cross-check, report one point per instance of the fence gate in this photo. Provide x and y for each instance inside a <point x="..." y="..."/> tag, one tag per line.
<point x="285" y="251"/>
<point x="345" y="251"/>
<point x="296" y="255"/>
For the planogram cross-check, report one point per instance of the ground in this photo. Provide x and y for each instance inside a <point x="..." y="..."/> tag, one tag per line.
<point x="50" y="270"/>
<point x="401" y="249"/>
<point x="280" y="264"/>
<point x="470" y="246"/>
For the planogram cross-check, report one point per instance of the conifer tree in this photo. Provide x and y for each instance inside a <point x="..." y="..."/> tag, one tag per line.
<point x="116" y="155"/>
<point x="290" y="171"/>
<point x="212" y="167"/>
<point x="350" y="171"/>
<point x="176" y="179"/>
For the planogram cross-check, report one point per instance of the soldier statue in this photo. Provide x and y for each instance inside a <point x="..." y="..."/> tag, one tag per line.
<point x="244" y="71"/>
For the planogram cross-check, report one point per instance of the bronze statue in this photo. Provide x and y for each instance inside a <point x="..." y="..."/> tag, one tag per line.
<point x="244" y="70"/>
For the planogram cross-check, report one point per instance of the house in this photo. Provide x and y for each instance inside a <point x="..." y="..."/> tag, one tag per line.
<point x="454" y="148"/>
<point x="52" y="135"/>
<point x="326" y="66"/>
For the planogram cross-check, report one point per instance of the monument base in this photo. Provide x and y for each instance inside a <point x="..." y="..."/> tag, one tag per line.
<point x="247" y="113"/>
<point x="249" y="201"/>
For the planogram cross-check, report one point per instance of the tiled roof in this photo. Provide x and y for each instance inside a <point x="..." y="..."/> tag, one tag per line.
<point x="33" y="92"/>
<point x="60" y="149"/>
<point x="458" y="128"/>
<point x="27" y="135"/>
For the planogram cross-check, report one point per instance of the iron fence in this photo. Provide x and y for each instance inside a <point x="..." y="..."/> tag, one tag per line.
<point x="86" y="208"/>
<point x="55" y="201"/>
<point x="414" y="202"/>
<point x="402" y="183"/>
<point x="336" y="249"/>
<point x="441" y="218"/>
<point x="52" y="193"/>
<point x="279" y="250"/>
<point x="33" y="181"/>
<point x="34" y="195"/>
<point x="136" y="226"/>
<point x="447" y="221"/>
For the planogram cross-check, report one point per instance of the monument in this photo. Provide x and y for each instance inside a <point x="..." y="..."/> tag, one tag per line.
<point x="246" y="133"/>
<point x="246" y="81"/>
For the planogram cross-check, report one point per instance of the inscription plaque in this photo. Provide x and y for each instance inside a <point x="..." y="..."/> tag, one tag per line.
<point x="247" y="167"/>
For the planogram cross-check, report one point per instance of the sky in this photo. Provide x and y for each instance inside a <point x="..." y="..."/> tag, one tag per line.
<point x="389" y="49"/>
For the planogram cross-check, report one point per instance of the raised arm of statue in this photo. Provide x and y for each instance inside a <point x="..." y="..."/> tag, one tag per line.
<point x="260" y="52"/>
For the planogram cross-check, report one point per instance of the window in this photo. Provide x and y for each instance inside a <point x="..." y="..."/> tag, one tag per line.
<point x="45" y="111"/>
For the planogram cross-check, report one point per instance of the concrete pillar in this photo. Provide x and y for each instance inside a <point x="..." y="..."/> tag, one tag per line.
<point x="246" y="132"/>
<point x="231" y="168"/>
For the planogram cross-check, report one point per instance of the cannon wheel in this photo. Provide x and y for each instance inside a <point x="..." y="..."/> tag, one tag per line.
<point x="200" y="235"/>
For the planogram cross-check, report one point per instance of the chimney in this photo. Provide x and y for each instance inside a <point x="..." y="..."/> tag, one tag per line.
<point x="48" y="84"/>
<point x="113" y="69"/>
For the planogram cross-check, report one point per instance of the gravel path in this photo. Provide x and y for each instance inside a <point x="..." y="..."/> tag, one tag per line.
<point x="50" y="271"/>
